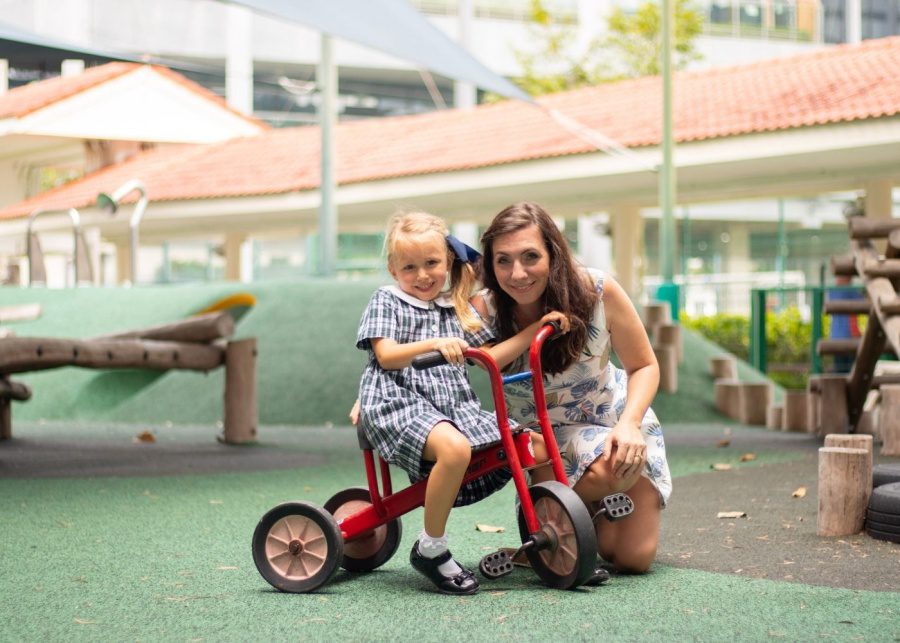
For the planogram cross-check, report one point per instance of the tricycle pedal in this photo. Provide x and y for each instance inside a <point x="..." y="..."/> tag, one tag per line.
<point x="614" y="507"/>
<point x="496" y="565"/>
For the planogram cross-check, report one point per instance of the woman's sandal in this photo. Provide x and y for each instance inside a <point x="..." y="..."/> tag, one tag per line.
<point x="462" y="583"/>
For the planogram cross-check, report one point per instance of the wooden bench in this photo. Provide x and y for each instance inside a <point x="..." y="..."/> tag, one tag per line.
<point x="196" y="344"/>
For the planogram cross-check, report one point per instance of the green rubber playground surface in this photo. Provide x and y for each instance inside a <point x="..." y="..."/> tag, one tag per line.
<point x="109" y="537"/>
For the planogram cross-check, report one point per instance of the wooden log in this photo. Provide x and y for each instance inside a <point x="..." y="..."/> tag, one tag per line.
<point x="813" y="393"/>
<point x="842" y="491"/>
<point x="866" y="228"/>
<point x="794" y="416"/>
<point x="856" y="442"/>
<point x="200" y="329"/>
<point x="670" y="335"/>
<point x="847" y="346"/>
<point x="241" y="410"/>
<point x="833" y="416"/>
<point x="14" y="390"/>
<point x="21" y="312"/>
<point x="774" y="417"/>
<point x="843" y="266"/>
<point x="754" y="400"/>
<point x="657" y="312"/>
<point x="882" y="268"/>
<point x="723" y="367"/>
<point x="5" y="419"/>
<point x="22" y="354"/>
<point x="847" y="307"/>
<point x="667" y="358"/>
<point x="889" y="420"/>
<point x="727" y="395"/>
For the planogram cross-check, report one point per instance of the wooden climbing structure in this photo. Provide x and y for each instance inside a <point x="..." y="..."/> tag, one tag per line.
<point x="875" y="259"/>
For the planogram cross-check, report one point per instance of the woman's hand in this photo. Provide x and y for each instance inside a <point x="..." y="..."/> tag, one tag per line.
<point x="559" y="318"/>
<point x="451" y="348"/>
<point x="627" y="449"/>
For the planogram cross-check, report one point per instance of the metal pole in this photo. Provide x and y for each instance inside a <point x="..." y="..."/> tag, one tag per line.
<point x="668" y="291"/>
<point x="327" y="81"/>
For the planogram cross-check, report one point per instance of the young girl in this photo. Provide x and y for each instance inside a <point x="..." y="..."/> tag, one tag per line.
<point x="427" y="422"/>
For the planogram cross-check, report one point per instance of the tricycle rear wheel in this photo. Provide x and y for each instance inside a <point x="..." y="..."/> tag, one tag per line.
<point x="565" y="523"/>
<point x="375" y="548"/>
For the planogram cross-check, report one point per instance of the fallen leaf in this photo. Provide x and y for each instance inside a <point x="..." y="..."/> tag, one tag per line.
<point x="145" y="436"/>
<point x="731" y="514"/>
<point x="747" y="457"/>
<point x="723" y="443"/>
<point x="799" y="492"/>
<point x="490" y="529"/>
<point x="227" y="567"/>
<point x="720" y="466"/>
<point x="82" y="621"/>
<point x="497" y="593"/>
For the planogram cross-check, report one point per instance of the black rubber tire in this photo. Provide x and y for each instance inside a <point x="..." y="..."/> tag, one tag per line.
<point x="882" y="526"/>
<point x="883" y="518"/>
<point x="886" y="473"/>
<point x="310" y="530"/>
<point x="883" y="535"/>
<point x="373" y="551"/>
<point x="571" y="562"/>
<point x="886" y="498"/>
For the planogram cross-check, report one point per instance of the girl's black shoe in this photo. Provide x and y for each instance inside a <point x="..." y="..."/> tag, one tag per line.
<point x="462" y="583"/>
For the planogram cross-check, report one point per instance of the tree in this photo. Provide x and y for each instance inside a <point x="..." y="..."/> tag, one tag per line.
<point x="629" y="49"/>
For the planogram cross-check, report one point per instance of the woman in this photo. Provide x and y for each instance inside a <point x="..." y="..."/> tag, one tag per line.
<point x="609" y="437"/>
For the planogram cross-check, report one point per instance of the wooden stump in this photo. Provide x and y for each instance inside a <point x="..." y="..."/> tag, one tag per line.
<point x="670" y="335"/>
<point x="723" y="367"/>
<point x="668" y="368"/>
<point x="833" y="416"/>
<point x="754" y="400"/>
<point x="655" y="313"/>
<point x="842" y="491"/>
<point x="889" y="420"/>
<point x="813" y="393"/>
<point x="727" y="397"/>
<point x="855" y="442"/>
<point x="794" y="416"/>
<point x="774" y="416"/>
<point x="241" y="416"/>
<point x="5" y="419"/>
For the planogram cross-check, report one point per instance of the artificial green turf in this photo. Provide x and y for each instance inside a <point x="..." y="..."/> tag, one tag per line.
<point x="308" y="366"/>
<point x="168" y="558"/>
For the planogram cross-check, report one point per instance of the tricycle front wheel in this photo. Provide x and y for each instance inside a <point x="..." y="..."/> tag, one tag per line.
<point x="569" y="558"/>
<point x="297" y="547"/>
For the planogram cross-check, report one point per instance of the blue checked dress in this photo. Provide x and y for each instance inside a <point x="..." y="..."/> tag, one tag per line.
<point x="584" y="403"/>
<point x="398" y="408"/>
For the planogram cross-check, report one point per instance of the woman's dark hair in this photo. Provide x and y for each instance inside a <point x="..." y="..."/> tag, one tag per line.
<point x="568" y="291"/>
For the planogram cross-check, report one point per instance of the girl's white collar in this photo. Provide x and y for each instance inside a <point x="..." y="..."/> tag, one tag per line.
<point x="443" y="300"/>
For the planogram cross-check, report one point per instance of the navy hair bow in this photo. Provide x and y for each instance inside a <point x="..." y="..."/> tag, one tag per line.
<point x="464" y="253"/>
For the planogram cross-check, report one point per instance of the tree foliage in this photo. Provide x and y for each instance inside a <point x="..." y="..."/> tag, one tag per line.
<point x="629" y="49"/>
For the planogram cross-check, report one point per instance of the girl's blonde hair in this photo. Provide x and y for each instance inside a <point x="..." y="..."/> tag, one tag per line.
<point x="463" y="276"/>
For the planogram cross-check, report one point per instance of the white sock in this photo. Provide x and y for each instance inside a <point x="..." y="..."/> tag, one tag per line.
<point x="431" y="547"/>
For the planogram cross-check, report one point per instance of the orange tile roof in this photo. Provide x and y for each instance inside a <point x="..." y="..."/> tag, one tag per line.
<point x="24" y="100"/>
<point x="838" y="84"/>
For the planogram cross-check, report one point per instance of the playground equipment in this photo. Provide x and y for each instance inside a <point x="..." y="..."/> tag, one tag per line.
<point x="192" y="344"/>
<point x="80" y="257"/>
<point x="110" y="203"/>
<point x="298" y="546"/>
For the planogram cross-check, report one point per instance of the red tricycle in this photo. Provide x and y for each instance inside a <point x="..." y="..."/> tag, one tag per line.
<point x="298" y="546"/>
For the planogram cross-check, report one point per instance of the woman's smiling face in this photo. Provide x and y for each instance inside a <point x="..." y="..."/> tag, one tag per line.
<point x="522" y="265"/>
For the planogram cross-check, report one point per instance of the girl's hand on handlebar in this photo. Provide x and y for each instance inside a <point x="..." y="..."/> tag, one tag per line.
<point x="559" y="318"/>
<point x="451" y="348"/>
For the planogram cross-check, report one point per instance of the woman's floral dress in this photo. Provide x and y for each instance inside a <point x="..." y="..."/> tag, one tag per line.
<point x="584" y="403"/>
